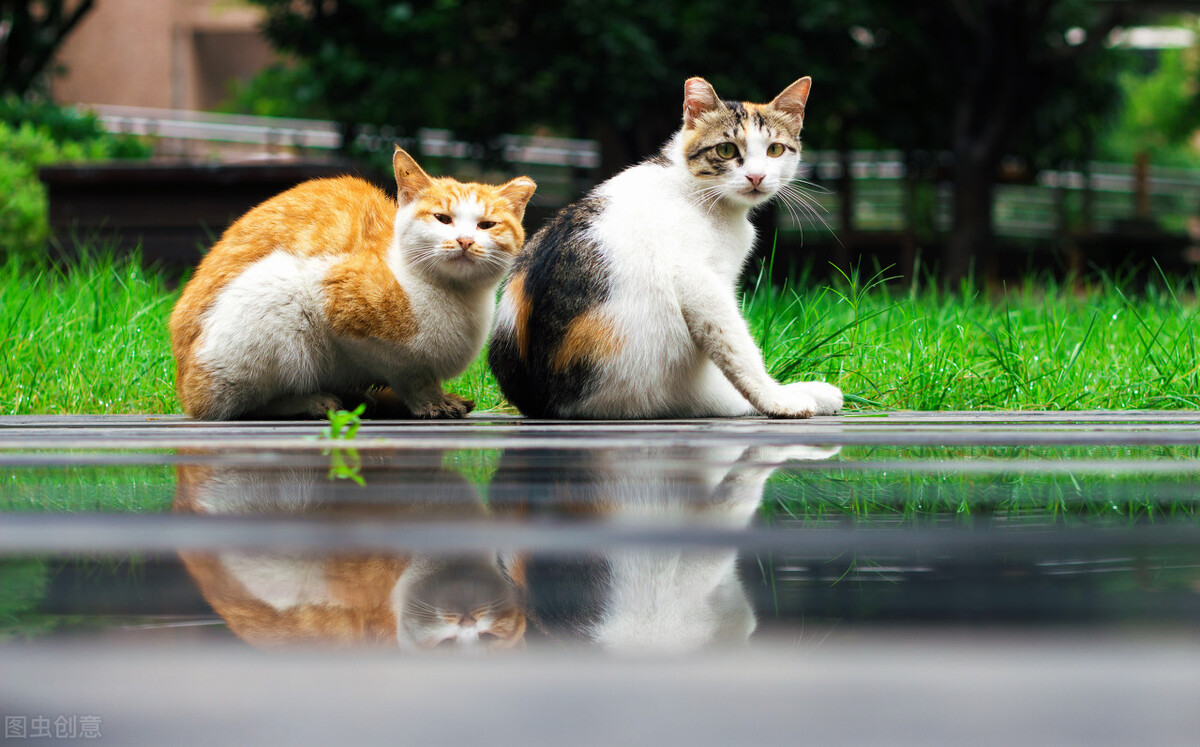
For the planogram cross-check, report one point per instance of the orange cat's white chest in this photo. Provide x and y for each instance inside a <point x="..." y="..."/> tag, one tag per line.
<point x="287" y="323"/>
<point x="268" y="326"/>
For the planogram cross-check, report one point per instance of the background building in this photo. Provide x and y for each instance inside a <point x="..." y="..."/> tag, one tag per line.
<point x="177" y="54"/>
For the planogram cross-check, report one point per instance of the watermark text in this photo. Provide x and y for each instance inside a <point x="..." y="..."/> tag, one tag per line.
<point x="59" y="726"/>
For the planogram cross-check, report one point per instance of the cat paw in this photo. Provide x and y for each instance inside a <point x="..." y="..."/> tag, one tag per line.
<point x="383" y="403"/>
<point x="779" y="455"/>
<point x="314" y="406"/>
<point x="449" y="407"/>
<point x="791" y="403"/>
<point x="829" y="398"/>
<point x="826" y="397"/>
<point x="319" y="405"/>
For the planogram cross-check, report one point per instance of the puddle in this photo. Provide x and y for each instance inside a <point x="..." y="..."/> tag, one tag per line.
<point x="673" y="548"/>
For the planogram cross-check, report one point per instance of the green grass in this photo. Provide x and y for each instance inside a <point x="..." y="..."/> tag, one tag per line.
<point x="87" y="338"/>
<point x="1036" y="346"/>
<point x="92" y="338"/>
<point x="1005" y="486"/>
<point x="86" y="488"/>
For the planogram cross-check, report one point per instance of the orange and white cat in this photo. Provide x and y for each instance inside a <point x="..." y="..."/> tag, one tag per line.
<point x="328" y="291"/>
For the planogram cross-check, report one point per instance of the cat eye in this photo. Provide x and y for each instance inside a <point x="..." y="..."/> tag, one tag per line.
<point x="443" y="218"/>
<point x="726" y="150"/>
<point x="486" y="224"/>
<point x="775" y="150"/>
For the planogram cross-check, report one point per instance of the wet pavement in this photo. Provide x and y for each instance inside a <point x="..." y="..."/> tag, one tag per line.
<point x="907" y="578"/>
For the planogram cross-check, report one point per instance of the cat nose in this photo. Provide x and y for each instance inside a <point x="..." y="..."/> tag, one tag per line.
<point x="465" y="242"/>
<point x="756" y="179"/>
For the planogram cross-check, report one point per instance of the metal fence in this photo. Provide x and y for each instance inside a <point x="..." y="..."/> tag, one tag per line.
<point x="1036" y="210"/>
<point x="308" y="134"/>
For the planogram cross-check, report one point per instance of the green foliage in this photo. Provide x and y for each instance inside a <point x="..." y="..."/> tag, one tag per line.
<point x="79" y="488"/>
<point x="23" y="227"/>
<point x="279" y="90"/>
<point x="22" y="586"/>
<point x="65" y="124"/>
<point x="485" y="68"/>
<point x="1160" y="112"/>
<point x="344" y="463"/>
<point x="35" y="134"/>
<point x="613" y="69"/>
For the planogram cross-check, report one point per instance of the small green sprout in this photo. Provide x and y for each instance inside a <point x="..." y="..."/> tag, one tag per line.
<point x="343" y="424"/>
<point x="346" y="464"/>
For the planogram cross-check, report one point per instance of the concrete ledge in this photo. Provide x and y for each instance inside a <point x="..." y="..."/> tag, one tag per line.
<point x="498" y="430"/>
<point x="859" y="688"/>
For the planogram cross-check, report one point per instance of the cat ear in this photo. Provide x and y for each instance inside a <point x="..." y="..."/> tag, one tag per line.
<point x="517" y="192"/>
<point x="410" y="178"/>
<point x="698" y="98"/>
<point x="793" y="99"/>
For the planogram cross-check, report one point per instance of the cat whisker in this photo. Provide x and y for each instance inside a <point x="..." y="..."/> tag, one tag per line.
<point x="800" y="189"/>
<point x="799" y="209"/>
<point x="708" y="198"/>
<point x="419" y="606"/>
<point x="815" y="209"/>
<point x="813" y="186"/>
<point x="786" y="199"/>
<point x="810" y="207"/>
<point x="494" y="604"/>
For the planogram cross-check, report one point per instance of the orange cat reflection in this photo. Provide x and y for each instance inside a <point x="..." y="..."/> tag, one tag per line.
<point x="410" y="601"/>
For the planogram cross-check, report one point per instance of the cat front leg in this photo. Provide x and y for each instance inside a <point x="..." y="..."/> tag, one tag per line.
<point x="427" y="400"/>
<point x="717" y="327"/>
<point x="741" y="490"/>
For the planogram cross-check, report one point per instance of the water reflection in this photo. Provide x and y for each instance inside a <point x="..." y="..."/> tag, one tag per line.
<point x="406" y="600"/>
<point x="659" y="599"/>
<point x="622" y="599"/>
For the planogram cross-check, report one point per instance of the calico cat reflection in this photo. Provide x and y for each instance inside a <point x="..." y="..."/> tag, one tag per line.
<point x="659" y="599"/>
<point x="410" y="601"/>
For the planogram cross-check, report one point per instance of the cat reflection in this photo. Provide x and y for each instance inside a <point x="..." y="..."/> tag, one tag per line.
<point x="411" y="601"/>
<point x="620" y="599"/>
<point x="631" y="600"/>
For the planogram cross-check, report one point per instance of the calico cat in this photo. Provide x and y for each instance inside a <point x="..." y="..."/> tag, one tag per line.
<point x="624" y="305"/>
<point x="410" y="601"/>
<point x="330" y="290"/>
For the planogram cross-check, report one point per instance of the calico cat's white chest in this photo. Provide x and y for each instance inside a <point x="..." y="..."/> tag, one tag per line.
<point x="651" y="221"/>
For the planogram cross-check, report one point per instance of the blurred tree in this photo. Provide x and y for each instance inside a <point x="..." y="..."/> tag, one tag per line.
<point x="981" y="78"/>
<point x="1161" y="111"/>
<point x="31" y="31"/>
<point x="986" y="79"/>
<point x="608" y="69"/>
